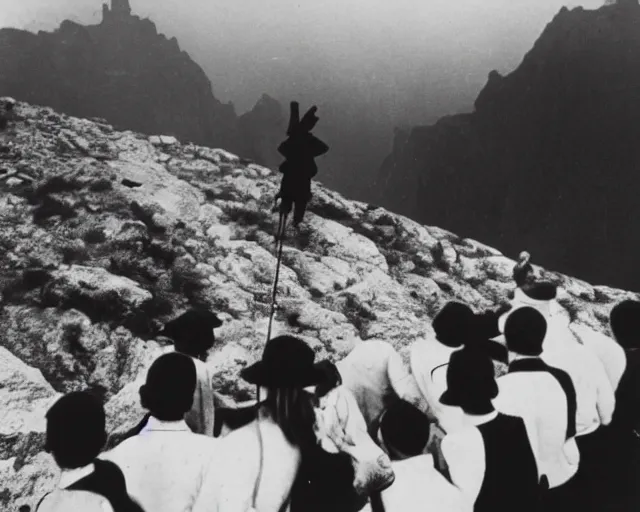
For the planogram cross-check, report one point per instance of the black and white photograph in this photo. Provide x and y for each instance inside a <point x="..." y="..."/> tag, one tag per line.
<point x="319" y="255"/>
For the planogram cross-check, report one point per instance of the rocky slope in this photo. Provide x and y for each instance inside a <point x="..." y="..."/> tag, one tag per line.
<point x="548" y="158"/>
<point x="104" y="235"/>
<point x="124" y="71"/>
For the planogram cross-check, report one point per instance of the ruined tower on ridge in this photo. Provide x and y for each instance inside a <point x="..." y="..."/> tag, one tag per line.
<point x="120" y="9"/>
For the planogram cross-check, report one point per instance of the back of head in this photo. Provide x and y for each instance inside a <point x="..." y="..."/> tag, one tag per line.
<point x="169" y="388"/>
<point x="405" y="429"/>
<point x="486" y="325"/>
<point x="524" y="331"/>
<point x="625" y="323"/>
<point x="75" y="429"/>
<point x="454" y="324"/>
<point x="331" y="380"/>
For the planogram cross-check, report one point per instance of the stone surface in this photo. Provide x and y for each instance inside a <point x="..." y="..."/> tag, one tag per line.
<point x="85" y="290"/>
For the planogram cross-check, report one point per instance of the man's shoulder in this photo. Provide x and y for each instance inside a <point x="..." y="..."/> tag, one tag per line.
<point x="461" y="437"/>
<point x="62" y="500"/>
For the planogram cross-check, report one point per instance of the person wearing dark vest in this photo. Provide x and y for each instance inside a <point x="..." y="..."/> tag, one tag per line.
<point x="562" y="349"/>
<point x="75" y="436"/>
<point x="545" y="398"/>
<point x="165" y="464"/>
<point x="404" y="434"/>
<point x="491" y="461"/>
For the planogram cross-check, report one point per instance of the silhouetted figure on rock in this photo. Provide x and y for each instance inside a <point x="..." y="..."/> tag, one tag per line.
<point x="299" y="167"/>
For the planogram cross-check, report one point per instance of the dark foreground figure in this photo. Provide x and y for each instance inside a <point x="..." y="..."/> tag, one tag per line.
<point x="75" y="436"/>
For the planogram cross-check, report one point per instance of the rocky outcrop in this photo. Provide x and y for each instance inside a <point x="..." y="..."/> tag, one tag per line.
<point x="548" y="158"/>
<point x="105" y="235"/>
<point x="124" y="71"/>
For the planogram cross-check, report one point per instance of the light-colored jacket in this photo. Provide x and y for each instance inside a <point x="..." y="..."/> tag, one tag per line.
<point x="201" y="417"/>
<point x="610" y="354"/>
<point x="376" y="375"/>
<point x="165" y="465"/>
<point x="429" y="363"/>
<point x="419" y="486"/>
<point x="62" y="500"/>
<point x="341" y="428"/>
<point x="562" y="349"/>
<point x="229" y="486"/>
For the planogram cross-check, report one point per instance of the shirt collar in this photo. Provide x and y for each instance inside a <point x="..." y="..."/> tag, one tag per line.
<point x="156" y="425"/>
<point x="71" y="476"/>
<point x="481" y="419"/>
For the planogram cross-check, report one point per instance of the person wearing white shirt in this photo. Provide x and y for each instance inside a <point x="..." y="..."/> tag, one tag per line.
<point x="561" y="349"/>
<point x="75" y="435"/>
<point x="545" y="398"/>
<point x="258" y="463"/>
<point x="404" y="434"/>
<point x="492" y="459"/>
<point x="429" y="359"/>
<point x="543" y="296"/>
<point x="610" y="353"/>
<point x="376" y="375"/>
<point x="165" y="464"/>
<point x="193" y="334"/>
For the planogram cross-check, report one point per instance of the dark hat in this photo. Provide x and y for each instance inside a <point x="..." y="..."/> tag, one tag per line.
<point x="525" y="330"/>
<point x="405" y="428"/>
<point x="191" y="324"/>
<point x="486" y="324"/>
<point x="471" y="382"/>
<point x="332" y="377"/>
<point x="454" y="324"/>
<point x="287" y="362"/>
<point x="625" y="323"/>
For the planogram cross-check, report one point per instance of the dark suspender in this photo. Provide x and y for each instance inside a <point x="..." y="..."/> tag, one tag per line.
<point x="538" y="365"/>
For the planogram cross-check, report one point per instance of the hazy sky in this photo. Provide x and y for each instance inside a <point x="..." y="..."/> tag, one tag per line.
<point x="394" y="51"/>
<point x="369" y="65"/>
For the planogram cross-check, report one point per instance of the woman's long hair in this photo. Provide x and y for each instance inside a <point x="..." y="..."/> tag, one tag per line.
<point x="293" y="410"/>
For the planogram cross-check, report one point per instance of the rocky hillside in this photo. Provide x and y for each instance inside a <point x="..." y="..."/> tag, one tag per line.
<point x="549" y="157"/>
<point x="104" y="235"/>
<point x="124" y="71"/>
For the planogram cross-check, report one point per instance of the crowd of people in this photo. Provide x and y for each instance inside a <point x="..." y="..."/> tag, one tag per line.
<point x="513" y="409"/>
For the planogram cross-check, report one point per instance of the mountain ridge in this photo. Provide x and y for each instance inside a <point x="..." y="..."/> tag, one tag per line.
<point x="546" y="160"/>
<point x="123" y="70"/>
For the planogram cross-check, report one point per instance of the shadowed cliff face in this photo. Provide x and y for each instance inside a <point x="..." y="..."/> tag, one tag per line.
<point x="106" y="235"/>
<point x="548" y="160"/>
<point x="122" y="70"/>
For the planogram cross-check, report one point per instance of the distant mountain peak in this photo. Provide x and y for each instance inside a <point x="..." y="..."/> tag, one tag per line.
<point x="548" y="158"/>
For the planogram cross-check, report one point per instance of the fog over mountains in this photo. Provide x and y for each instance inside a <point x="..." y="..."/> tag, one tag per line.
<point x="370" y="65"/>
